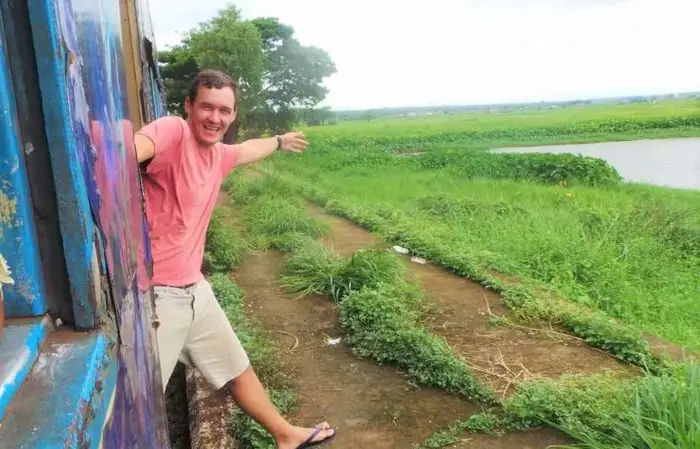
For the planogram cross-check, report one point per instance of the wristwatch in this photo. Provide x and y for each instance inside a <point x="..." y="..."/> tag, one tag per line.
<point x="279" y="142"/>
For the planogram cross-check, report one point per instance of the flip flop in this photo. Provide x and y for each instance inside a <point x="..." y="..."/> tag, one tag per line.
<point x="310" y="443"/>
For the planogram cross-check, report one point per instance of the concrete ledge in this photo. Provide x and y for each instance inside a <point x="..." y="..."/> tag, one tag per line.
<point x="210" y="414"/>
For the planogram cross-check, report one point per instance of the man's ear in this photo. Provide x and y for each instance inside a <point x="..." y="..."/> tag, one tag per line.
<point x="188" y="106"/>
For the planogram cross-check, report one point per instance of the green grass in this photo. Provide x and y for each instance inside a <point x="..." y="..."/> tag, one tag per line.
<point x="313" y="270"/>
<point x="528" y="301"/>
<point x="382" y="321"/>
<point x="224" y="250"/>
<point x="379" y="311"/>
<point x="276" y="217"/>
<point x="630" y="251"/>
<point x="664" y="415"/>
<point x="598" y="411"/>
<point x="526" y="225"/>
<point x="381" y="316"/>
<point x="610" y="120"/>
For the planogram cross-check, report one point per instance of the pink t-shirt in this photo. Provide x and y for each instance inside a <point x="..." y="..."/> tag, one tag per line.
<point x="181" y="185"/>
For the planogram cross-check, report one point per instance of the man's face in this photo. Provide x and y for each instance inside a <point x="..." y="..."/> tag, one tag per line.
<point x="211" y="114"/>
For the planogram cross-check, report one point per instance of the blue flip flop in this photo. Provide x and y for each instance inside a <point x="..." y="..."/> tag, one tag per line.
<point x="310" y="443"/>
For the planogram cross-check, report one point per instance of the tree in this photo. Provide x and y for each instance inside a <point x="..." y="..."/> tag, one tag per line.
<point x="316" y="116"/>
<point x="178" y="67"/>
<point x="277" y="75"/>
<point x="293" y="74"/>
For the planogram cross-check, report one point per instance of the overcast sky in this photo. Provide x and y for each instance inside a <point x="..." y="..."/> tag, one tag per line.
<point x="406" y="52"/>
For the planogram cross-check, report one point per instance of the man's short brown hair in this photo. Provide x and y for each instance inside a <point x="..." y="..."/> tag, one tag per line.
<point x="212" y="79"/>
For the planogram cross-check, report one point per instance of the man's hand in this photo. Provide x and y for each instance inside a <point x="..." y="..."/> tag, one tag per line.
<point x="255" y="150"/>
<point x="294" y="142"/>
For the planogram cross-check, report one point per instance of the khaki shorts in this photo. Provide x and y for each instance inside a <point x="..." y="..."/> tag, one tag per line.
<point x="193" y="329"/>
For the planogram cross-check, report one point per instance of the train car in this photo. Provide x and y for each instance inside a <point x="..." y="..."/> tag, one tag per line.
<point x="78" y="354"/>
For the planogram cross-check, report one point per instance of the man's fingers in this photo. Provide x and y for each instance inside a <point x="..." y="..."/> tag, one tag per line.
<point x="300" y="143"/>
<point x="296" y="142"/>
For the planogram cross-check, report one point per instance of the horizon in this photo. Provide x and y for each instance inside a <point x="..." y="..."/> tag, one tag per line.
<point x="481" y="53"/>
<point x="477" y="105"/>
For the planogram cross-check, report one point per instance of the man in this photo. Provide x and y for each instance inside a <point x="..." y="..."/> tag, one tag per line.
<point x="185" y="163"/>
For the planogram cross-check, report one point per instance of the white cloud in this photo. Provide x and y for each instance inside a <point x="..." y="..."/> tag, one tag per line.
<point x="394" y="52"/>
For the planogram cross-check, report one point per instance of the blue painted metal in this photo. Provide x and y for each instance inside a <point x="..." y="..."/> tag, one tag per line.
<point x="106" y="387"/>
<point x="18" y="242"/>
<point x="59" y="404"/>
<point x="56" y="63"/>
<point x="90" y="96"/>
<point x="19" y="349"/>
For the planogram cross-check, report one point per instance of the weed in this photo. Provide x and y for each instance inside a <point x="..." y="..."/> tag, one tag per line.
<point x="663" y="414"/>
<point x="273" y="216"/>
<point x="223" y="249"/>
<point x="382" y="322"/>
<point x="379" y="312"/>
<point x="312" y="270"/>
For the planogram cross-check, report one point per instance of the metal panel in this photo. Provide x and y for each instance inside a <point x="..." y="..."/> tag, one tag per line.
<point x="18" y="242"/>
<point x="85" y="36"/>
<point x="20" y="349"/>
<point x="63" y="402"/>
<point x="20" y="50"/>
<point x="56" y="58"/>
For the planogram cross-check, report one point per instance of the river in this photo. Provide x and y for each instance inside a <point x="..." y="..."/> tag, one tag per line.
<point x="661" y="162"/>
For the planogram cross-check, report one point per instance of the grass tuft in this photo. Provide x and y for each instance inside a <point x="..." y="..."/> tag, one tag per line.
<point x="382" y="322"/>
<point x="663" y="414"/>
<point x="223" y="249"/>
<point x="274" y="217"/>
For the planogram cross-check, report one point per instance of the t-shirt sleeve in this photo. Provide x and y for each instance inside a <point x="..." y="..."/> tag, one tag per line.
<point x="166" y="133"/>
<point x="231" y="156"/>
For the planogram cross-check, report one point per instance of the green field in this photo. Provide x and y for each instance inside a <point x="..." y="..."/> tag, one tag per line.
<point x="672" y="113"/>
<point x="564" y="222"/>
<point x="562" y="239"/>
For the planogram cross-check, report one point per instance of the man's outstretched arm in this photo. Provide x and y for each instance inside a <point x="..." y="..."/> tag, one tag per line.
<point x="255" y="150"/>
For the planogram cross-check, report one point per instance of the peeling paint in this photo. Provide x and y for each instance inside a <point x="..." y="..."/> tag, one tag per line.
<point x="18" y="242"/>
<point x="8" y="209"/>
<point x="17" y="359"/>
<point x="87" y="38"/>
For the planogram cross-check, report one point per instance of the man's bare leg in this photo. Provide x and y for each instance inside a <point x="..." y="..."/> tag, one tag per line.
<point x="250" y="396"/>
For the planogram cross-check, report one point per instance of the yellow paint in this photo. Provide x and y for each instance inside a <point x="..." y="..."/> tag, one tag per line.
<point x="5" y="273"/>
<point x="8" y="208"/>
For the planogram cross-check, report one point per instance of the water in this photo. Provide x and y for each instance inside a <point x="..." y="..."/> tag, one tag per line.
<point x="661" y="162"/>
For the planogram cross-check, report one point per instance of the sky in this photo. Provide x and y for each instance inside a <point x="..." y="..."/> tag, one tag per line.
<point x="391" y="53"/>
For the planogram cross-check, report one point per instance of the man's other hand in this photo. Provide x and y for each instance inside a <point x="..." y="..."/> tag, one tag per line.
<point x="294" y="142"/>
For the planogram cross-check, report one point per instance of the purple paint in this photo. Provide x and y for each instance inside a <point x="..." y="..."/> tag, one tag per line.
<point x="91" y="32"/>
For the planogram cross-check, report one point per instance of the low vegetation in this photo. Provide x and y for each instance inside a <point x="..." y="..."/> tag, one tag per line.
<point x="559" y="236"/>
<point x="381" y="314"/>
<point x="564" y="222"/>
<point x="379" y="311"/>
<point x="224" y="250"/>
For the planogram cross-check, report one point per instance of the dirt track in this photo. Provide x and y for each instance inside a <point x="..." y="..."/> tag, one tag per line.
<point x="370" y="405"/>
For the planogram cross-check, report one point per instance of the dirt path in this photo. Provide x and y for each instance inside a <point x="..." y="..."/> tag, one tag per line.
<point x="370" y="405"/>
<point x="501" y="355"/>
